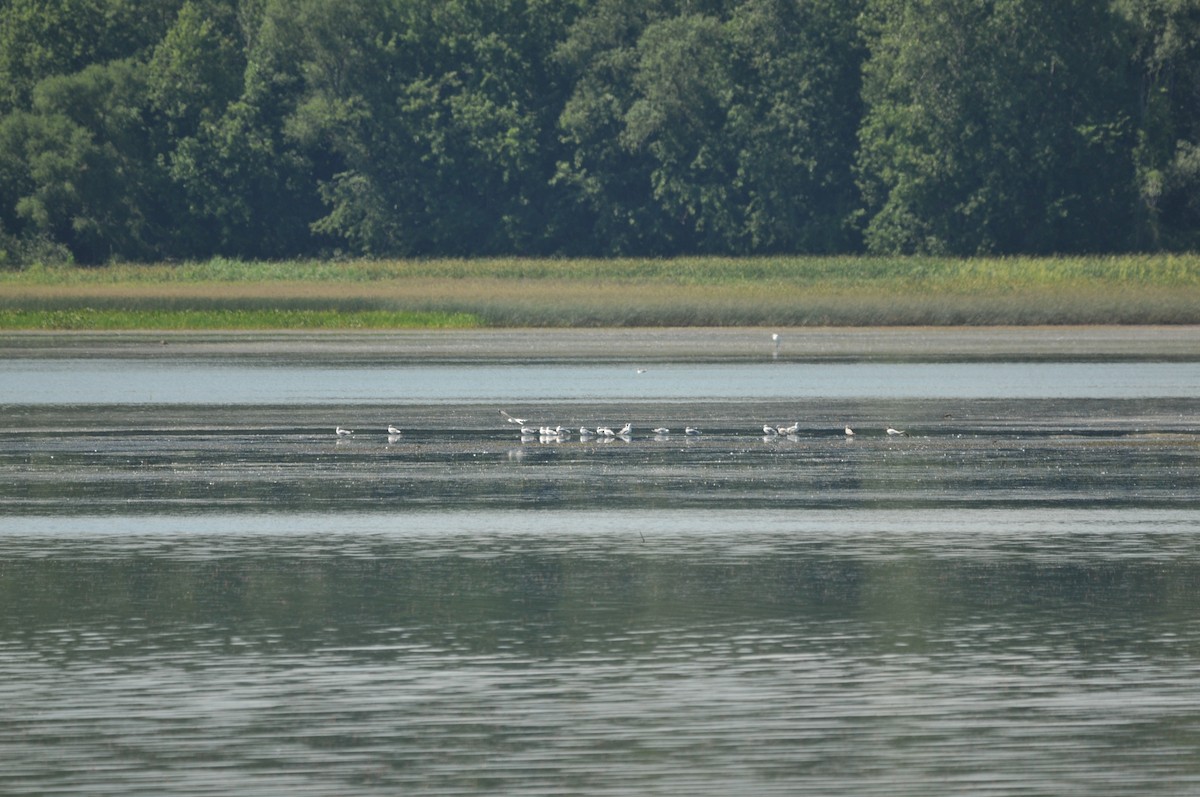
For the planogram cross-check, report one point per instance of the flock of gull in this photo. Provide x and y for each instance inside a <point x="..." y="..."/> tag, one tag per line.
<point x="548" y="433"/>
<point x="531" y="432"/>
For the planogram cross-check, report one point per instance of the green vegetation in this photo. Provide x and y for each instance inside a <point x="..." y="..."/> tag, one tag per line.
<point x="1135" y="289"/>
<point x="100" y="318"/>
<point x="178" y="130"/>
<point x="950" y="273"/>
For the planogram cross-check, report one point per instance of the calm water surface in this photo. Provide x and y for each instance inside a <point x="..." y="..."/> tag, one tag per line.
<point x="206" y="592"/>
<point x="101" y="380"/>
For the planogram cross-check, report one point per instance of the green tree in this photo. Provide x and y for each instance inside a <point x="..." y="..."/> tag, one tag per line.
<point x="996" y="127"/>
<point x="683" y="91"/>
<point x="609" y="173"/>
<point x="87" y="170"/>
<point x="794" y="122"/>
<point x="40" y="39"/>
<point x="196" y="70"/>
<point x="1166" y="56"/>
<point x="715" y="127"/>
<point x="438" y="112"/>
<point x="247" y="190"/>
<point x="34" y="147"/>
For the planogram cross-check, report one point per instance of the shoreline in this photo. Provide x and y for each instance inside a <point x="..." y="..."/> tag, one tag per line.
<point x="642" y="344"/>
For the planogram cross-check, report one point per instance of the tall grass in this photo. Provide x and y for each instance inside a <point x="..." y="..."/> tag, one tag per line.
<point x="99" y="318"/>
<point x="220" y="293"/>
<point x="957" y="273"/>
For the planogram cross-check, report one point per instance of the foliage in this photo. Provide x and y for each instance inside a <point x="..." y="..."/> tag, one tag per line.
<point x="1000" y="127"/>
<point x="714" y="129"/>
<point x="1166" y="46"/>
<point x="187" y="129"/>
<point x="31" y="252"/>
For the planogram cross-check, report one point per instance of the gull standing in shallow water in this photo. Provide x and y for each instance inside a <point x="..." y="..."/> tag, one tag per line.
<point x="692" y="430"/>
<point x="849" y="432"/>
<point x="343" y="432"/>
<point x="394" y="432"/>
<point x="661" y="430"/>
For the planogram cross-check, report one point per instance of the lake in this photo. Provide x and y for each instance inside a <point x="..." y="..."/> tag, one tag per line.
<point x="206" y="590"/>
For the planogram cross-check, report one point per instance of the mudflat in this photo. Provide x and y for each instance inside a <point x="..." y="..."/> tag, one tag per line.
<point x="651" y="344"/>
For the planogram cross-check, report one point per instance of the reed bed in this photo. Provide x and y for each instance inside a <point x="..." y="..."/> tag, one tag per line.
<point x="793" y="291"/>
<point x="126" y="318"/>
<point x="850" y="271"/>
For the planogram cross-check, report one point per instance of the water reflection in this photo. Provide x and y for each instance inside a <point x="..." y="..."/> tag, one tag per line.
<point x="129" y="460"/>
<point x="856" y="652"/>
<point x="205" y="591"/>
<point x="873" y="535"/>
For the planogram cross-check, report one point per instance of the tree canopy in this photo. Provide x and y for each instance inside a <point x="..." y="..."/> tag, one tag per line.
<point x="179" y="129"/>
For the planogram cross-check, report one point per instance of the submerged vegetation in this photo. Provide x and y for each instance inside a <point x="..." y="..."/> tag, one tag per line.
<point x="702" y="291"/>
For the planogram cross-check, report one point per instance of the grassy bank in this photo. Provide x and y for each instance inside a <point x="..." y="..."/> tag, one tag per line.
<point x="792" y="291"/>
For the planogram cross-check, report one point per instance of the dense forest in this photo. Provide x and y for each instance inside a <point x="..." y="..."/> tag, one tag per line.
<point x="143" y="130"/>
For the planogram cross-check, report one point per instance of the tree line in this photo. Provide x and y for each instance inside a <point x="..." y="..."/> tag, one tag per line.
<point x="146" y="130"/>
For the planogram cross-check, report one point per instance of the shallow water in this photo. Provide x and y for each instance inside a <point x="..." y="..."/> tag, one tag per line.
<point x="101" y="380"/>
<point x="205" y="591"/>
<point x="184" y="458"/>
